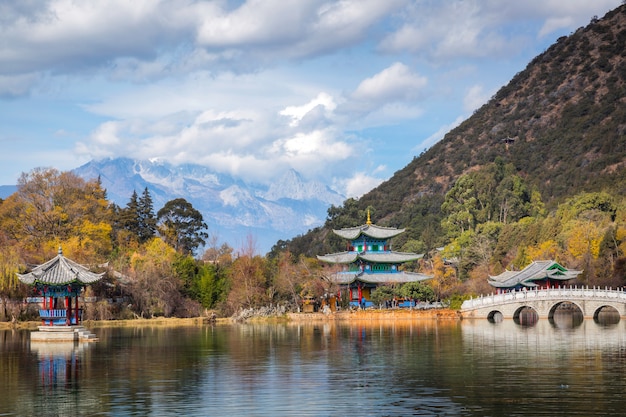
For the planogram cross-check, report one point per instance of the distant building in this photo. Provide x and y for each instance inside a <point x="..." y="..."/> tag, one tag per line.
<point x="539" y="274"/>
<point x="369" y="261"/>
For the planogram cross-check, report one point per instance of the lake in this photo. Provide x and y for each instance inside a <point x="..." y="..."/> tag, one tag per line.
<point x="406" y="368"/>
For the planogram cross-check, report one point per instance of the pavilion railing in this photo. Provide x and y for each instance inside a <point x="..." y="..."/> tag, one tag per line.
<point x="56" y="313"/>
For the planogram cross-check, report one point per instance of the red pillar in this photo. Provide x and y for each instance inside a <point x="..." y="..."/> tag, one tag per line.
<point x="69" y="308"/>
<point x="76" y="310"/>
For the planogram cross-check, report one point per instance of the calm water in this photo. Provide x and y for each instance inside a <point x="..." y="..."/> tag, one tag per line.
<point x="419" y="368"/>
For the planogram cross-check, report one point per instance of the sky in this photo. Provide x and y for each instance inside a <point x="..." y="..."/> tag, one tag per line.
<point x="344" y="92"/>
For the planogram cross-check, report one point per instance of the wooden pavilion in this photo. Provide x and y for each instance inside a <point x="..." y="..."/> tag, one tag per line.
<point x="59" y="282"/>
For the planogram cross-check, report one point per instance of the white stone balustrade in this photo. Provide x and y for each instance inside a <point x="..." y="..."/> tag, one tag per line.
<point x="544" y="301"/>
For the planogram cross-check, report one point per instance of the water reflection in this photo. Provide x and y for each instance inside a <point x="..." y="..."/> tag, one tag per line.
<point x="426" y="368"/>
<point x="526" y="316"/>
<point x="565" y="318"/>
<point x="607" y="316"/>
<point x="58" y="362"/>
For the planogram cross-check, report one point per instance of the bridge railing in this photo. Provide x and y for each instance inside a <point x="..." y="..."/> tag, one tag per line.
<point x="618" y="294"/>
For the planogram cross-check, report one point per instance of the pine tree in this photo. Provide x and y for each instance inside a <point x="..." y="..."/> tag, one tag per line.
<point x="129" y="215"/>
<point x="147" y="219"/>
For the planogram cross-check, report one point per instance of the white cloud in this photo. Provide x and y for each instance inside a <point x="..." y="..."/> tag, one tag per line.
<point x="397" y="82"/>
<point x="297" y="113"/>
<point x="359" y="184"/>
<point x="445" y="31"/>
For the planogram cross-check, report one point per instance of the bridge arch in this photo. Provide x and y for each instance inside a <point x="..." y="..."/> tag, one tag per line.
<point x="564" y="304"/>
<point x="525" y="314"/>
<point x="495" y="316"/>
<point x="607" y="310"/>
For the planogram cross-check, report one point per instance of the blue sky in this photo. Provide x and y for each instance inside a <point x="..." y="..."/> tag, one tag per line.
<point x="345" y="92"/>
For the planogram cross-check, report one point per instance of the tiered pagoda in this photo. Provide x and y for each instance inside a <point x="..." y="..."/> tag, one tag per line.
<point x="59" y="282"/>
<point x="369" y="261"/>
<point x="539" y="274"/>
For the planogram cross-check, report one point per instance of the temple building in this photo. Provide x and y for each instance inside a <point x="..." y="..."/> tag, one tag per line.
<point x="59" y="282"/>
<point x="369" y="261"/>
<point x="539" y="274"/>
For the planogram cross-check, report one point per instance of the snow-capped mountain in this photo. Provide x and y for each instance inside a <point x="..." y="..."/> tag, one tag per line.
<point x="232" y="209"/>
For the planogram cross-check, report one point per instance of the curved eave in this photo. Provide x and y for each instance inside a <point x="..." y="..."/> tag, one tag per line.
<point x="498" y="284"/>
<point x="370" y="230"/>
<point x="390" y="257"/>
<point x="374" y="257"/>
<point x="60" y="271"/>
<point x="339" y="258"/>
<point x="380" y="278"/>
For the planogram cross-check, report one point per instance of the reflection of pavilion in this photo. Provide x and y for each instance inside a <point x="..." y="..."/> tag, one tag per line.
<point x="58" y="362"/>
<point x="59" y="282"/>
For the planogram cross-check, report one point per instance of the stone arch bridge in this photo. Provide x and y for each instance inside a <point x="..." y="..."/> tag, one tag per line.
<point x="545" y="302"/>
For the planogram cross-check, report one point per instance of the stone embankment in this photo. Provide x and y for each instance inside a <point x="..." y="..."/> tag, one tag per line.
<point x="382" y="315"/>
<point x="269" y="314"/>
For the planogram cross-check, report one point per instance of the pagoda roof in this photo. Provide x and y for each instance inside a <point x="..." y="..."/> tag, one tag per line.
<point x="401" y="277"/>
<point x="59" y="271"/>
<point x="387" y="257"/>
<point x="536" y="271"/>
<point x="371" y="230"/>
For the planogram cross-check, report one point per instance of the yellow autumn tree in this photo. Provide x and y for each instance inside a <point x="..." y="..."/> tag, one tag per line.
<point x="548" y="250"/>
<point x="584" y="238"/>
<point x="153" y="286"/>
<point x="51" y="207"/>
<point x="444" y="279"/>
<point x="9" y="284"/>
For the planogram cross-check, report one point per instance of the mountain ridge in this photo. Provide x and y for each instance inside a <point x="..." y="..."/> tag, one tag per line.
<point x="233" y="209"/>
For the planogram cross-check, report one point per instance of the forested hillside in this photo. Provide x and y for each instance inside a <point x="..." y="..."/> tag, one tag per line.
<point x="552" y="138"/>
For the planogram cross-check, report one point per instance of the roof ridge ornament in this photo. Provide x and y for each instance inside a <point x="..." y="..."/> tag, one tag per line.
<point x="60" y="250"/>
<point x="369" y="220"/>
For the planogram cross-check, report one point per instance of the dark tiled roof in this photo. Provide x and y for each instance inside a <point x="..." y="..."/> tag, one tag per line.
<point x="379" y="278"/>
<point x="59" y="271"/>
<point x="537" y="270"/>
<point x="371" y="230"/>
<point x="374" y="257"/>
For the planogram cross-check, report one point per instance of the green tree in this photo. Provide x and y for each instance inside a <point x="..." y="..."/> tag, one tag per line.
<point x="417" y="291"/>
<point x="129" y="216"/>
<point x="460" y="206"/>
<point x="182" y="226"/>
<point x="147" y="222"/>
<point x="384" y="293"/>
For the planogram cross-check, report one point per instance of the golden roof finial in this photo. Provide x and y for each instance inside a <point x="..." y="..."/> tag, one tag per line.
<point x="369" y="221"/>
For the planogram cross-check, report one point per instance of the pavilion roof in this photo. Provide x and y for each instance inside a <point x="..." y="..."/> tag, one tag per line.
<point x="536" y="271"/>
<point x="370" y="230"/>
<point x="59" y="271"/>
<point x="386" y="257"/>
<point x="401" y="277"/>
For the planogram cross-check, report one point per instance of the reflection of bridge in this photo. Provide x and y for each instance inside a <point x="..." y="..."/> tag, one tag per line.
<point x="545" y="302"/>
